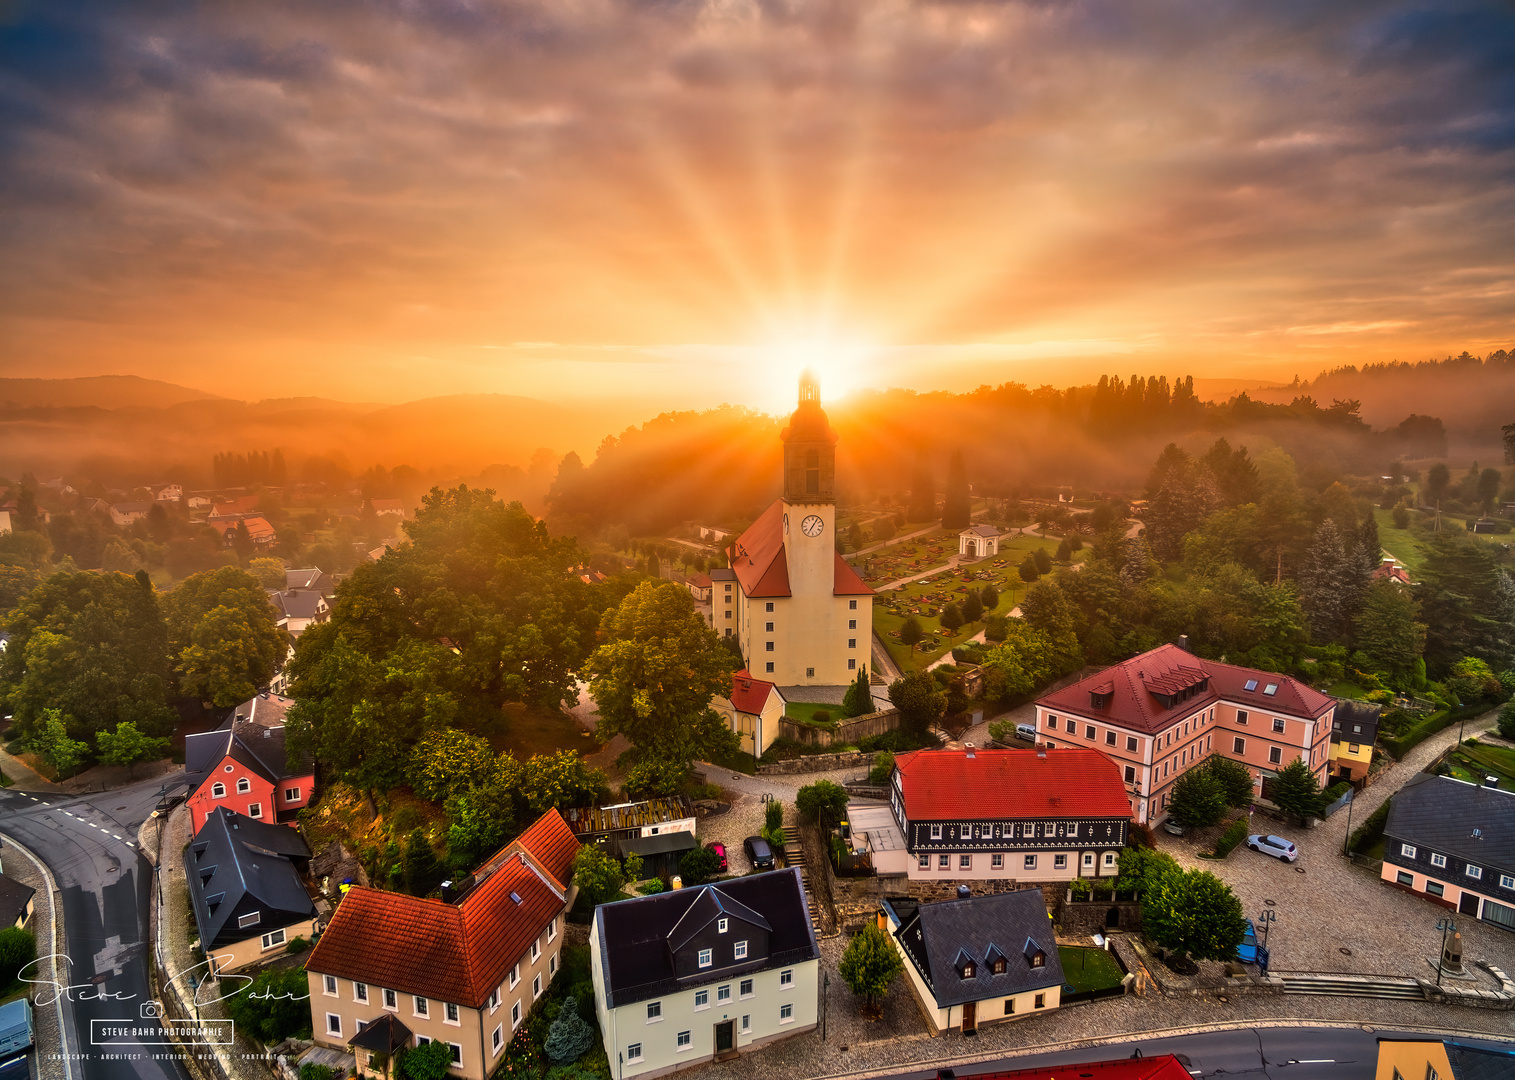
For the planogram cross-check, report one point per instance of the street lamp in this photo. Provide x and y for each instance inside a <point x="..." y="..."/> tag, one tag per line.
<point x="1267" y="918"/>
<point x="1446" y="926"/>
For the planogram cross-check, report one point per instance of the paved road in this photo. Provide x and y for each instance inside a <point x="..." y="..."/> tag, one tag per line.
<point x="89" y="844"/>
<point x="1300" y="1053"/>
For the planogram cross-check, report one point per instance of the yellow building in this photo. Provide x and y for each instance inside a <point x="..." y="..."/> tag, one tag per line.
<point x="804" y="617"/>
<point x="1435" y="1059"/>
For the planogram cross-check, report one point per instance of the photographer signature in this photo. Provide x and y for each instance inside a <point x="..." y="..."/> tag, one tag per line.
<point x="89" y="991"/>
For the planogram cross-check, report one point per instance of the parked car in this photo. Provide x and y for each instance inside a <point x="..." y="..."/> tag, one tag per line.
<point x="759" y="854"/>
<point x="719" y="851"/>
<point x="1174" y="827"/>
<point x="17" y="1068"/>
<point x="1247" y="950"/>
<point x="1275" y="846"/>
<point x="1027" y="732"/>
<point x="15" y="1026"/>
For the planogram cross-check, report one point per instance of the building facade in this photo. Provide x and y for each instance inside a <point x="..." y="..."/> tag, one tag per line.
<point x="464" y="972"/>
<point x="1354" y="730"/>
<point x="1019" y="815"/>
<point x="753" y="711"/>
<point x="244" y="766"/>
<point x="1453" y="843"/>
<point x="1159" y="714"/>
<point x="803" y="616"/>
<point x="703" y="974"/>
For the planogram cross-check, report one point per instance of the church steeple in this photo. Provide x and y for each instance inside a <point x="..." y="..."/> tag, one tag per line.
<point x="809" y="448"/>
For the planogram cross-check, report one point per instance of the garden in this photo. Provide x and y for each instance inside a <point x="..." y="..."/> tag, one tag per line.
<point x="1089" y="970"/>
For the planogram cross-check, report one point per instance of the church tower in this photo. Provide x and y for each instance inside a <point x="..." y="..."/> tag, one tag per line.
<point x="810" y="494"/>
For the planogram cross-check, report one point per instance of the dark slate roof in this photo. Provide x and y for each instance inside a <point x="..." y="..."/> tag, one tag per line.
<point x="298" y="603"/>
<point x="1013" y="924"/>
<point x="709" y="904"/>
<point x="1480" y="1063"/>
<point x="384" y="1033"/>
<point x="1351" y="714"/>
<point x="14" y="897"/>
<point x="254" y="735"/>
<point x="656" y="845"/>
<point x="1441" y="813"/>
<point x="246" y="859"/>
<point x="636" y="963"/>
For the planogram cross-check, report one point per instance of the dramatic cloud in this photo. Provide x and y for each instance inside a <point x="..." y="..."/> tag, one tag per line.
<point x="606" y="197"/>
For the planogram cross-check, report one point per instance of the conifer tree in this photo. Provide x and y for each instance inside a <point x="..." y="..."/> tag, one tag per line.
<point x="859" y="700"/>
<point x="1328" y="586"/>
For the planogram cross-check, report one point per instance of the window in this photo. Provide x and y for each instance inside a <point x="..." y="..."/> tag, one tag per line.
<point x="810" y="673"/>
<point x="634" y="1052"/>
<point x="1404" y="879"/>
<point x="1009" y="1006"/>
<point x="422" y="1006"/>
<point x="944" y="862"/>
<point x="786" y="1012"/>
<point x="965" y="862"/>
<point x="1241" y="716"/>
<point x="739" y="951"/>
<point x="770" y="605"/>
<point x="997" y="861"/>
<point x="923" y="862"/>
<point x="391" y="999"/>
<point x="936" y="832"/>
<point x="852" y="664"/>
<point x="329" y="985"/>
<point x="851" y="624"/>
<point x="769" y="627"/>
<point x="654" y="1011"/>
<point x="702" y="999"/>
<point x="1407" y="850"/>
<point x="786" y="978"/>
<point x="683" y="1041"/>
<point x="449" y="1013"/>
<point x="969" y="970"/>
<point x="1278" y="725"/>
<point x="333" y="1024"/>
<point x="746" y="988"/>
<point x="1071" y="727"/>
<point x="218" y="790"/>
<point x="1059" y="862"/>
<point x="851" y="605"/>
<point x="536" y="950"/>
<point x="536" y="986"/>
<point x="515" y="1015"/>
<point x="852" y="643"/>
<point x="1041" y="1001"/>
<point x="515" y="976"/>
<point x="1109" y="858"/>
<point x="1088" y="858"/>
<point x="252" y="918"/>
<point x="1475" y="872"/>
<point x="705" y="958"/>
<point x="494" y="999"/>
<point x="291" y="794"/>
<point x="1275" y="755"/>
<point x="1238" y="746"/>
<point x="275" y="938"/>
<point x="723" y="993"/>
<point x="1506" y="881"/>
<point x="457" y="1053"/>
<point x="1030" y="862"/>
<point x="1130" y="774"/>
<point x="1130" y="744"/>
<point x="1051" y="722"/>
<point x="498" y="1038"/>
<point x="746" y="1024"/>
<point x="768" y="646"/>
<point x="1435" y="888"/>
<point x="1088" y="731"/>
<point x="1353" y="748"/>
<point x="552" y="929"/>
<point x="1109" y="738"/>
<point x="244" y="785"/>
<point x="1251" y="684"/>
<point x="1438" y="860"/>
<point x="255" y="810"/>
<point x="720" y="926"/>
<point x="1271" y="689"/>
<point x="360" y="991"/>
<point x="769" y="667"/>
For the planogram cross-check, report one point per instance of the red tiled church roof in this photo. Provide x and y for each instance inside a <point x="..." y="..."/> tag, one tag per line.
<point x="1132" y="687"/>
<point x="760" y="564"/>
<point x="749" y="694"/>
<point x="942" y="785"/>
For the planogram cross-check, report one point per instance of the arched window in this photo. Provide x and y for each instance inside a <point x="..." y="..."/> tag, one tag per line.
<point x="244" y="785"/>
<point x="218" y="790"/>
<point x="812" y="472"/>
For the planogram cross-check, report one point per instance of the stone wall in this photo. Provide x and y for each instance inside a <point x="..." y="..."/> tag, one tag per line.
<point x="847" y="732"/>
<point x="816" y="763"/>
<point x="1093" y="916"/>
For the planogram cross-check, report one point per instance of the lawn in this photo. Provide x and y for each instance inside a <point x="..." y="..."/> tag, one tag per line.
<point x="1405" y="544"/>
<point x="1089" y="969"/>
<point x="529" y="732"/>
<point x="804" y="712"/>
<point x="1347" y="690"/>
<point x="1473" y="763"/>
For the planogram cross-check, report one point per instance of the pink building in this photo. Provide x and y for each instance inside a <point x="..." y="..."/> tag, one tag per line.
<point x="243" y="766"/>
<point x="1159" y="714"/>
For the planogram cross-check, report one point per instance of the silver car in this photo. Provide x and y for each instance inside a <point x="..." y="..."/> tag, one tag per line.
<point x="1275" y="846"/>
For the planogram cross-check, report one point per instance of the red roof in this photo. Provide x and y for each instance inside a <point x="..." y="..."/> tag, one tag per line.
<point x="1166" y="1067"/>
<point x="940" y="785"/>
<point x="749" y="694"/>
<point x="760" y="564"/>
<point x="1167" y="669"/>
<point x="551" y="843"/>
<point x="700" y="581"/>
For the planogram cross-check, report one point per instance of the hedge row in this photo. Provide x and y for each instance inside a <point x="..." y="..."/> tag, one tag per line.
<point x="1231" y="837"/>
<point x="1369" y="831"/>
<point x="1414" y="736"/>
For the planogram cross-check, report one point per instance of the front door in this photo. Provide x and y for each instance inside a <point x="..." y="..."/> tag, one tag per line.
<point x="725" y="1037"/>
<point x="1469" y="905"/>
<point x="970" y="1018"/>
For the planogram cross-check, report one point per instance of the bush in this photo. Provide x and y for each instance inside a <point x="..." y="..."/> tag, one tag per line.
<point x="17" y="949"/>
<point x="699" y="866"/>
<point x="773" y="815"/>
<point x="821" y="716"/>
<point x="273" y="1007"/>
<point x="650" y="888"/>
<point x="1507" y="720"/>
<point x="1234" y="834"/>
<point x="883" y="768"/>
<point x="296" y="945"/>
<point x="1369" y="832"/>
<point x="1335" y="791"/>
<point x="312" y="1071"/>
<point x="822" y="800"/>
<point x="569" y="1037"/>
<point x="996" y="628"/>
<point x="426" y="1062"/>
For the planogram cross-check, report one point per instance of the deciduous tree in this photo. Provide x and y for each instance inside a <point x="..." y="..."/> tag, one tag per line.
<point x="1193" y="913"/>
<point x="1235" y="780"/>
<point x="223" y="636"/>
<point x="129" y="747"/>
<point x="869" y="965"/>
<point x="956" y="506"/>
<point x="597" y="875"/>
<point x="920" y="701"/>
<point x="1198" y="799"/>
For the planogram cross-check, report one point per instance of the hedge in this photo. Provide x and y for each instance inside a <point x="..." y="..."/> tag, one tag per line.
<point x="1231" y="837"/>
<point x="1419" y="733"/>
<point x="1334" y="792"/>
<point x="1369" y="830"/>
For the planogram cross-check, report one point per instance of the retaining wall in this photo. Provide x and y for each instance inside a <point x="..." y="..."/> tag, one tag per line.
<point x="847" y="732"/>
<point x="815" y="763"/>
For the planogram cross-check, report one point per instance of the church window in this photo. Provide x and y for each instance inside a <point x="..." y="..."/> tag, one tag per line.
<point x="812" y="472"/>
<point x="768" y="647"/>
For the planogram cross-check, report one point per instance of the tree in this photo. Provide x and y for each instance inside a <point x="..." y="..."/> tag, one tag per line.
<point x="561" y="780"/>
<point x="273" y="1006"/>
<point x="823" y="801"/>
<point x="1467" y="601"/>
<point x="597" y="875"/>
<point x="883" y="528"/>
<point x="1234" y="778"/>
<point x="957" y="511"/>
<point x="922" y="494"/>
<point x="51" y="743"/>
<point x="1023" y="661"/>
<point x="570" y="1037"/>
<point x="655" y="674"/>
<point x="1198" y="799"/>
<point x="920" y="701"/>
<point x="223" y="636"/>
<point x="128" y="746"/>
<point x="1328" y="587"/>
<point x="1043" y="561"/>
<point x="1186" y="498"/>
<point x="269" y="572"/>
<point x="911" y="632"/>
<point x="989" y="597"/>
<point x="1029" y="571"/>
<point x="429" y="1061"/>
<point x="1296" y="791"/>
<point x="448" y="762"/>
<point x="242" y="542"/>
<point x="1046" y="608"/>
<point x="18" y="948"/>
<point x="1507" y="720"/>
<point x="859" y="698"/>
<point x="855" y="537"/>
<point x="1488" y="489"/>
<point x="479" y="821"/>
<point x="1192" y="913"/>
<point x="1438" y="480"/>
<point x="882" y="768"/>
<point x="972" y="607"/>
<point x="1389" y="632"/>
<point x="422" y="871"/>
<point x="869" y="965"/>
<point x="951" y="617"/>
<point x="1401" y="516"/>
<point x="654" y="778"/>
<point x="698" y="865"/>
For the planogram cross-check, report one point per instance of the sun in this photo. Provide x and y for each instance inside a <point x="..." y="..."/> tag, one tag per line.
<point x="838" y="365"/>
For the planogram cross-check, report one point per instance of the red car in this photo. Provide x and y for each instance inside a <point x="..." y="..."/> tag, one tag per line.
<point x="720" y="852"/>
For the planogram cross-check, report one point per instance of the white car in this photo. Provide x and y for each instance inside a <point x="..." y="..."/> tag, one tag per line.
<point x="1275" y="846"/>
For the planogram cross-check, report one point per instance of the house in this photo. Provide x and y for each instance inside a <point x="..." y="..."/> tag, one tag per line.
<point x="660" y="831"/>
<point x="310" y="579"/>
<point x="197" y="502"/>
<point x="387" y="507"/>
<point x="124" y="513"/>
<point x="167" y="492"/>
<point x="396" y="971"/>
<point x="722" y="601"/>
<point x="978" y="960"/>
<point x="244" y="765"/>
<point x="753" y="711"/>
<point x="299" y="608"/>
<point x="978" y="541"/>
<point x="1354" y="729"/>
<point x="1160" y="714"/>
<point x="1441" y="1059"/>
<point x="1454" y="843"/>
<point x="1019" y="815"/>
<point x="703" y="974"/>
<point x="16" y="902"/>
<point x="258" y="528"/>
<point x="700" y="587"/>
<point x="246" y="888"/>
<point x="1163" y="1067"/>
<point x="714" y="533"/>
<point x="1391" y="570"/>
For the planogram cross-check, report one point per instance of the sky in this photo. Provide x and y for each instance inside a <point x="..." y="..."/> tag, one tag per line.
<point x="686" y="202"/>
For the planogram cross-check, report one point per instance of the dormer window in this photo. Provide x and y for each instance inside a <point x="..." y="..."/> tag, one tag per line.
<point x="1099" y="699"/>
<point x="999" y="966"/>
<point x="966" y="965"/>
<point x="1035" y="955"/>
<point x="968" y="970"/>
<point x="996" y="960"/>
<point x="720" y="926"/>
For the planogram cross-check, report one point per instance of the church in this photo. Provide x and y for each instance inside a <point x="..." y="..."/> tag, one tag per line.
<point x="803" y="616"/>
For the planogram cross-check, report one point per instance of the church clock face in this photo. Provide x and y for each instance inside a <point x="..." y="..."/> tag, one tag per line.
<point x="812" y="525"/>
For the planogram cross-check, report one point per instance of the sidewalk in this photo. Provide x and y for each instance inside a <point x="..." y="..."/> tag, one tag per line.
<point x="22" y="776"/>
<point x="47" y="926"/>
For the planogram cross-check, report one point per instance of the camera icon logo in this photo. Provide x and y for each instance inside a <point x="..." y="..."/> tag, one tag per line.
<point x="151" y="1010"/>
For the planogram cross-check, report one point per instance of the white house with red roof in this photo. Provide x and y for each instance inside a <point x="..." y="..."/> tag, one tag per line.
<point x="803" y="616"/>
<point x="753" y="710"/>
<point x="1019" y="815"/>
<point x="1159" y="714"/>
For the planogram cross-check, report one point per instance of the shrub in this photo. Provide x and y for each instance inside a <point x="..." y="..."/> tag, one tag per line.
<point x="312" y="1071"/>
<point x="996" y="628"/>
<point x="17" y="949"/>
<point x="296" y="945"/>
<point x="426" y="1062"/>
<point x="569" y="1037"/>
<point x="1235" y="834"/>
<point x="1369" y="831"/>
<point x="822" y="800"/>
<point x="773" y="815"/>
<point x="273" y="1007"/>
<point x="821" y="716"/>
<point x="699" y="866"/>
<point x="649" y="888"/>
<point x="1507" y="720"/>
<point x="883" y="768"/>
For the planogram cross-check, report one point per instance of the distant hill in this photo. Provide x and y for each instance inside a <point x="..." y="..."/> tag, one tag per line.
<point x="99" y="391"/>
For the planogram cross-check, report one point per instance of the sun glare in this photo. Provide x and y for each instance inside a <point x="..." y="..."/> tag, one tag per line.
<point x="838" y="365"/>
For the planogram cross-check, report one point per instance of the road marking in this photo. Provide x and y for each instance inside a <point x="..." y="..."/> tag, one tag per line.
<point x="92" y="825"/>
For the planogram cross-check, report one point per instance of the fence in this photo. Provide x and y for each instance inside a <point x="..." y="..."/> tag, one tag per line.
<point x="1331" y="807"/>
<point x="847" y="732"/>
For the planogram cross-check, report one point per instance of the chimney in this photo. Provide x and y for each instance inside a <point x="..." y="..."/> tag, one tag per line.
<point x="1183" y="642"/>
<point x="1041" y="751"/>
<point x="968" y="749"/>
<point x="1491" y="781"/>
<point x="963" y="892"/>
<point x="448" y="894"/>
